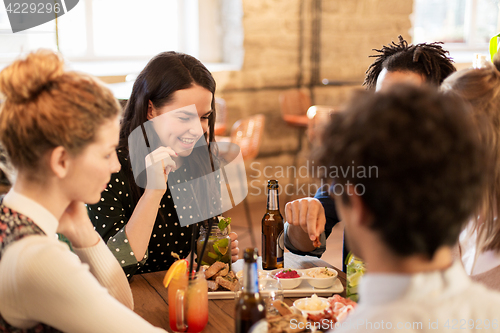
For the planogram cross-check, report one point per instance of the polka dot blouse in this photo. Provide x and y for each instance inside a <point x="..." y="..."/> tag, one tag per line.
<point x="112" y="212"/>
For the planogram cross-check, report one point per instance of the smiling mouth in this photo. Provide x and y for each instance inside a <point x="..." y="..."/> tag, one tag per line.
<point x="187" y="141"/>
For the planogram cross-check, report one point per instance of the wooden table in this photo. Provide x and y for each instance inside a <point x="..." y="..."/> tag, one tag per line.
<point x="151" y="298"/>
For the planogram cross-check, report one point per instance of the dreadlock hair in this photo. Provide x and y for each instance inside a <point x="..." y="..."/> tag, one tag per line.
<point x="428" y="59"/>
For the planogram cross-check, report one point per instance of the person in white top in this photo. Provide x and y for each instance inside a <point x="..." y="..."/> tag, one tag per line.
<point x="413" y="173"/>
<point x="60" y="130"/>
<point x="479" y="245"/>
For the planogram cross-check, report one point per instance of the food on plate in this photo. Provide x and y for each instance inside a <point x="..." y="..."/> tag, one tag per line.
<point x="282" y="308"/>
<point x="214" y="269"/>
<point x="314" y="303"/>
<point x="262" y="274"/>
<point x="338" y="310"/>
<point x="287" y="274"/>
<point x="291" y="323"/>
<point x="212" y="285"/>
<point x="289" y="278"/>
<point x="341" y="307"/>
<point x="220" y="278"/>
<point x="222" y="272"/>
<point x="334" y="309"/>
<point x="321" y="272"/>
<point x="227" y="282"/>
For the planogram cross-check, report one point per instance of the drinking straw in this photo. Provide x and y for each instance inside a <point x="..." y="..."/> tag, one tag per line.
<point x="210" y="223"/>
<point x="149" y="152"/>
<point x="193" y="250"/>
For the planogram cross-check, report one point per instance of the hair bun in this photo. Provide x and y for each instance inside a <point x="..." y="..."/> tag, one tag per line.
<point x="25" y="78"/>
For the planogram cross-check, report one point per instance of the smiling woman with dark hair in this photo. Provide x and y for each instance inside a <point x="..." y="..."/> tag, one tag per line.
<point x="172" y="104"/>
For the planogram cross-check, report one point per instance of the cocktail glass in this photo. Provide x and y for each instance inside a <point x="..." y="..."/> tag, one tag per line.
<point x="355" y="270"/>
<point x="218" y="246"/>
<point x="188" y="303"/>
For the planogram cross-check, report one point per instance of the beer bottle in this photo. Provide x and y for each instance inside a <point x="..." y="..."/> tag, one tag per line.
<point x="250" y="307"/>
<point x="273" y="244"/>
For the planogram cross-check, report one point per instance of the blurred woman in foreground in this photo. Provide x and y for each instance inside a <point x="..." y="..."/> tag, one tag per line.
<point x="60" y="130"/>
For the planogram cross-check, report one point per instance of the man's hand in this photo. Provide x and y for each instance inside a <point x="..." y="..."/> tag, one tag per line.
<point x="309" y="215"/>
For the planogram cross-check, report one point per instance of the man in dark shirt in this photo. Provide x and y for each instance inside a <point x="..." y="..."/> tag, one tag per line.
<point x="310" y="220"/>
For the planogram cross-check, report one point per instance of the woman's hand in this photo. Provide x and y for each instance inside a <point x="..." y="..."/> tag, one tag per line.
<point x="159" y="163"/>
<point x="75" y="225"/>
<point x="234" y="246"/>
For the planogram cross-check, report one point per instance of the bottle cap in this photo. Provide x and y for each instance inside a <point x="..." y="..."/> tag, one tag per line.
<point x="272" y="184"/>
<point x="251" y="254"/>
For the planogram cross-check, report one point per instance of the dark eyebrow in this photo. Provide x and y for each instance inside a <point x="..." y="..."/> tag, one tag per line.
<point x="208" y="113"/>
<point x="187" y="113"/>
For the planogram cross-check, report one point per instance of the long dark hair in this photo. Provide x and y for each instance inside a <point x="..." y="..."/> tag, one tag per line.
<point x="165" y="74"/>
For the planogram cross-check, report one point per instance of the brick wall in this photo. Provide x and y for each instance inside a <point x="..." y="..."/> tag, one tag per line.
<point x="278" y="36"/>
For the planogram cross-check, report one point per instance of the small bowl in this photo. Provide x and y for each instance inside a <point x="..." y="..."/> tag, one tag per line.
<point x="290" y="283"/>
<point x="321" y="282"/>
<point x="302" y="303"/>
<point x="262" y="274"/>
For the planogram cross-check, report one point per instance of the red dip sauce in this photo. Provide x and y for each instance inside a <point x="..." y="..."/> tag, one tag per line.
<point x="287" y="274"/>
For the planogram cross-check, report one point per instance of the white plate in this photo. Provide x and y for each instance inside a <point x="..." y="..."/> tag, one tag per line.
<point x="304" y="289"/>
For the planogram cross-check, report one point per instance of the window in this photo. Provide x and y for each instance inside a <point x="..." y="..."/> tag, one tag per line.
<point x="128" y="30"/>
<point x="465" y="25"/>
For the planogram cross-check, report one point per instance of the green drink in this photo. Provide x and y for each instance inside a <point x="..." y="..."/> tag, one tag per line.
<point x="218" y="245"/>
<point x="355" y="270"/>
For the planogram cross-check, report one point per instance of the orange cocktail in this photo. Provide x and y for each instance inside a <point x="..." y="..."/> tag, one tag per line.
<point x="188" y="303"/>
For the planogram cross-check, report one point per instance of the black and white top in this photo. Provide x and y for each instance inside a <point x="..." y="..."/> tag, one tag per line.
<point x="113" y="211"/>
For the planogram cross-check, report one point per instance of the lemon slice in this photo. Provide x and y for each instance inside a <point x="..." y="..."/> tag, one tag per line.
<point x="354" y="278"/>
<point x="224" y="242"/>
<point x="223" y="250"/>
<point x="178" y="268"/>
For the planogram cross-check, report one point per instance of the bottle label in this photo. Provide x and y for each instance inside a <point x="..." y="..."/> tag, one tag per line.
<point x="280" y="247"/>
<point x="272" y="200"/>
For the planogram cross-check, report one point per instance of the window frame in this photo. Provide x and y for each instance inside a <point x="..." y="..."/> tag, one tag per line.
<point x="189" y="30"/>
<point x="470" y="29"/>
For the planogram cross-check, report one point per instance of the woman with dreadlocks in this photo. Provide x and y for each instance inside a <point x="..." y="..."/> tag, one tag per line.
<point x="311" y="220"/>
<point x="425" y="62"/>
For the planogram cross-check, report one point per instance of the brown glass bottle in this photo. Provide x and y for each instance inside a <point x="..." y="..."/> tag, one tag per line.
<point x="250" y="307"/>
<point x="272" y="230"/>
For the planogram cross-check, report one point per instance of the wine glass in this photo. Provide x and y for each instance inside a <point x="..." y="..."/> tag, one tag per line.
<point x="271" y="290"/>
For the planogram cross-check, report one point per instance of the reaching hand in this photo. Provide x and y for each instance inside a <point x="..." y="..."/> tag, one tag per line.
<point x="159" y="163"/>
<point x="234" y="246"/>
<point x="309" y="214"/>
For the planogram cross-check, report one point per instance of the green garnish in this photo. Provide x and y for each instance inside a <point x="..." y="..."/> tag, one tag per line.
<point x="224" y="222"/>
